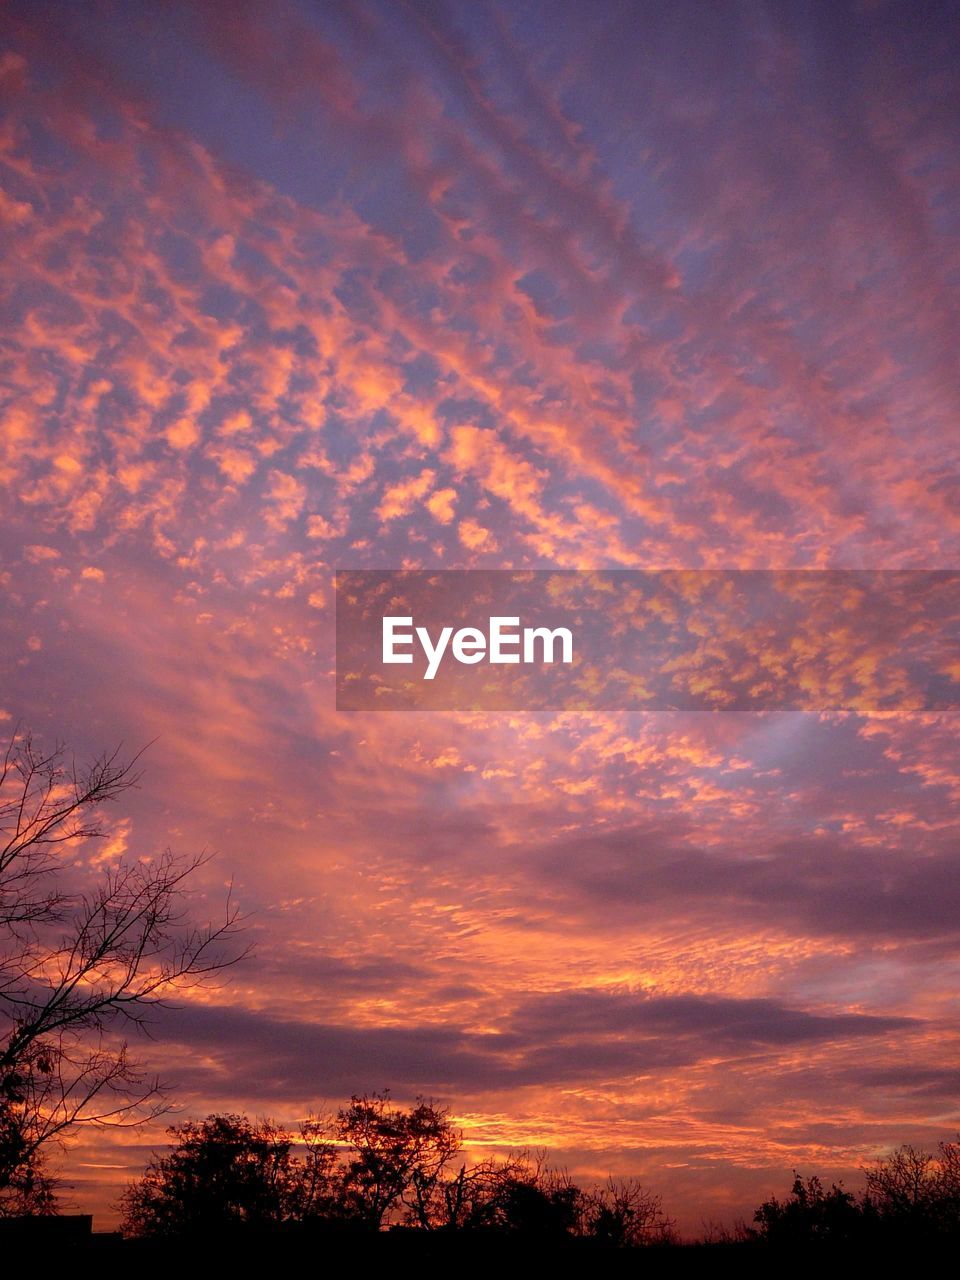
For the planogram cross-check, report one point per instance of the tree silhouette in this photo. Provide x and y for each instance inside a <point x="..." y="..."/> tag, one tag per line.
<point x="398" y="1158"/>
<point x="475" y="1197"/>
<point x="372" y="1160"/>
<point x="28" y="1188"/>
<point x="543" y="1204"/>
<point x="810" y="1215"/>
<point x="914" y="1192"/>
<point x="624" y="1214"/>
<point x="76" y="968"/>
<point x="227" y="1171"/>
<point x="910" y="1196"/>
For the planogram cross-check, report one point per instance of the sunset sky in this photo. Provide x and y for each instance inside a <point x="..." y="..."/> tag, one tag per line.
<point x="301" y="286"/>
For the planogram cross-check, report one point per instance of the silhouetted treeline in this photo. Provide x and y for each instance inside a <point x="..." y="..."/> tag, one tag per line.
<point x="910" y="1196"/>
<point x="374" y="1165"/>
<point x="229" y="1180"/>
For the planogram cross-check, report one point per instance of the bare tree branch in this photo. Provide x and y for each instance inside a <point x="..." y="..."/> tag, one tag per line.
<point x="76" y="969"/>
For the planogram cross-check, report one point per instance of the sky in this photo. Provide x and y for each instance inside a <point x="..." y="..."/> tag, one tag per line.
<point x="297" y="287"/>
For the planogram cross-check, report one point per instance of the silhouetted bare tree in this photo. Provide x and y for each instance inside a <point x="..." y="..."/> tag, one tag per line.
<point x="917" y="1192"/>
<point x="78" y="967"/>
<point x="624" y="1214"/>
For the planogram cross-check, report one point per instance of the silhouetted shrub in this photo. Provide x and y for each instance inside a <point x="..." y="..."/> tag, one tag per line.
<point x="810" y="1215"/>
